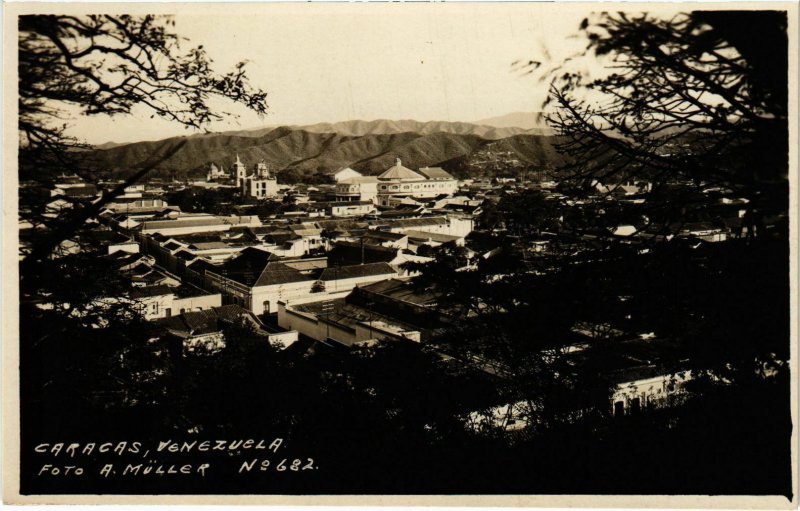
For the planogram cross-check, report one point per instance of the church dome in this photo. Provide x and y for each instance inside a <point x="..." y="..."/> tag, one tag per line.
<point x="399" y="172"/>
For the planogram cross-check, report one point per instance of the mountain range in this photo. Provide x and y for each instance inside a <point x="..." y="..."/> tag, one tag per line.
<point x="306" y="152"/>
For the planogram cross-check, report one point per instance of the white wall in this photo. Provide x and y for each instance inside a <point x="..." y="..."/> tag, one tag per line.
<point x="195" y="303"/>
<point x="650" y="391"/>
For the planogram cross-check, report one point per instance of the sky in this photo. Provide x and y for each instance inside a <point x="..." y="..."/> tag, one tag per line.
<point x="343" y="61"/>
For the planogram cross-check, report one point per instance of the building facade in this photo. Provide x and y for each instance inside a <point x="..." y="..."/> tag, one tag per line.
<point x="398" y="182"/>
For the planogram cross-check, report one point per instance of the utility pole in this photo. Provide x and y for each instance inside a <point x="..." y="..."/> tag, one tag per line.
<point x="327" y="309"/>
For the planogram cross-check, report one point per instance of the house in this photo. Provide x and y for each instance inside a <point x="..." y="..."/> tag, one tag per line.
<point x="195" y="223"/>
<point x="389" y="309"/>
<point x="638" y="389"/>
<point x="163" y="301"/>
<point x="203" y="332"/>
<point x="134" y="205"/>
<point x="258" y="280"/>
<point x="344" y="278"/>
<point x="432" y="239"/>
<point x="361" y="188"/>
<point x="342" y="323"/>
<point x="454" y="225"/>
<point x="350" y="208"/>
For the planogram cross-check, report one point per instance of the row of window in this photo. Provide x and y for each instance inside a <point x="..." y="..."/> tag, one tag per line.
<point x="426" y="186"/>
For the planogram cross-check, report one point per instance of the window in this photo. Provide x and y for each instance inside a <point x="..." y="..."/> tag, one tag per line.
<point x="168" y="312"/>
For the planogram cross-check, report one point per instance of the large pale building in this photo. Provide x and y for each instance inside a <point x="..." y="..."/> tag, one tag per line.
<point x="397" y="183"/>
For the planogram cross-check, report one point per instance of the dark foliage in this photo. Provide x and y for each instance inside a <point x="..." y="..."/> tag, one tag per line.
<point x="684" y="98"/>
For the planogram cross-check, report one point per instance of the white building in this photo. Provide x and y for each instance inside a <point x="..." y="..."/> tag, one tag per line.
<point x="162" y="301"/>
<point x="361" y="188"/>
<point x="261" y="184"/>
<point x="215" y="173"/>
<point x="399" y="181"/>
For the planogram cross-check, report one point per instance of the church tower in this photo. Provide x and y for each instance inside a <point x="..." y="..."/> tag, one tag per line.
<point x="262" y="170"/>
<point x="240" y="171"/>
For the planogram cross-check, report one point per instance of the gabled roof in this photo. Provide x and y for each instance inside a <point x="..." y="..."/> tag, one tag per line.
<point x="356" y="252"/>
<point x="384" y="235"/>
<point x="432" y="236"/>
<point x="169" y="224"/>
<point x="398" y="171"/>
<point x="343" y="169"/>
<point x="201" y="265"/>
<point x="185" y="255"/>
<point x="250" y="259"/>
<point x="435" y="173"/>
<point x="207" y="321"/>
<point x="208" y="245"/>
<point x="278" y="273"/>
<point x="172" y="245"/>
<point x="359" y="270"/>
<point x="417" y="222"/>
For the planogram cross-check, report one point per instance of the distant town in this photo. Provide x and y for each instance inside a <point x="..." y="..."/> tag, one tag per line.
<point x="586" y="290"/>
<point x="329" y="269"/>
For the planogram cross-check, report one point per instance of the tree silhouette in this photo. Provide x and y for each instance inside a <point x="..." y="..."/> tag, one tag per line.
<point x="685" y="98"/>
<point x="108" y="65"/>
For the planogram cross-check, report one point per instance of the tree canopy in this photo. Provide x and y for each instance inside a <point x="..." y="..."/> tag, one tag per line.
<point x="107" y="65"/>
<point x="692" y="97"/>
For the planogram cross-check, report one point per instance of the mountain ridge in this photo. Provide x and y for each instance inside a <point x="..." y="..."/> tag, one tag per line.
<point x="368" y="146"/>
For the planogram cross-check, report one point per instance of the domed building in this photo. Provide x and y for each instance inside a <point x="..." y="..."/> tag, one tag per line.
<point x="398" y="182"/>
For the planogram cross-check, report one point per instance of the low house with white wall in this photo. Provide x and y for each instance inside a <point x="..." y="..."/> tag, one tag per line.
<point x="162" y="301"/>
<point x="203" y="332"/>
<point x="258" y="280"/>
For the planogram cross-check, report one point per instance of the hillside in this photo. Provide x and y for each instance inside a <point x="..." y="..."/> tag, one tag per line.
<point x="358" y="128"/>
<point x="309" y="154"/>
<point x="519" y="120"/>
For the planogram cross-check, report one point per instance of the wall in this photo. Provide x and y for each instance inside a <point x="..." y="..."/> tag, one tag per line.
<point x="195" y="303"/>
<point x="284" y="339"/>
<point x="309" y="325"/>
<point x="155" y="307"/>
<point x="650" y="392"/>
<point x="276" y="293"/>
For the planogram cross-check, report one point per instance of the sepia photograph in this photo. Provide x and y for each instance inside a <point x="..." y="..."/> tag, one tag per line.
<point x="474" y="251"/>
